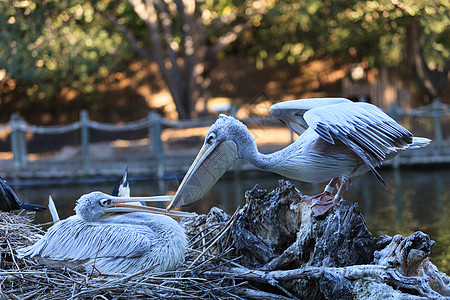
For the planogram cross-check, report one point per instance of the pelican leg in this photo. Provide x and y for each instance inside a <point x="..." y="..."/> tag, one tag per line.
<point x="323" y="202"/>
<point x="327" y="192"/>
<point x="330" y="186"/>
<point x="342" y="188"/>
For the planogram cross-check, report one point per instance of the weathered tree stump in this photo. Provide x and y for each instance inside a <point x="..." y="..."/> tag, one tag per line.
<point x="282" y="244"/>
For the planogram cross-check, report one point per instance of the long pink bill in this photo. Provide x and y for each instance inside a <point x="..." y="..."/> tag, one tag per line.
<point x="129" y="208"/>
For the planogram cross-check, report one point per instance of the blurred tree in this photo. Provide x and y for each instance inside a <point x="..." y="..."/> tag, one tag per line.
<point x="52" y="48"/>
<point x="184" y="38"/>
<point x="49" y="48"/>
<point x="412" y="35"/>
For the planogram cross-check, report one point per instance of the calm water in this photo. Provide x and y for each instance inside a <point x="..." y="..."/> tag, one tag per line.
<point x="416" y="199"/>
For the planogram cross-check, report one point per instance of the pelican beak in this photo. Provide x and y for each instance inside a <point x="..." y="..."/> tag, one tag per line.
<point x="119" y="205"/>
<point x="119" y="200"/>
<point x="129" y="208"/>
<point x="210" y="164"/>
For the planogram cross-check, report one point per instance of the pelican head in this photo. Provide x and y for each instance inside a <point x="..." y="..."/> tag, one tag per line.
<point x="224" y="144"/>
<point x="90" y="207"/>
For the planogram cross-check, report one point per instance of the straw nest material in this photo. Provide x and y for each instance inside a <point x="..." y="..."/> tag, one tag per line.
<point x="209" y="249"/>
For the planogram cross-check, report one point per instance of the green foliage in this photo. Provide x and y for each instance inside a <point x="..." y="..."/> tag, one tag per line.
<point x="50" y="45"/>
<point x="298" y="30"/>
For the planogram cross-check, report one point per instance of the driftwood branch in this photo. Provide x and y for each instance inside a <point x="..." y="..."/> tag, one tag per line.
<point x="335" y="257"/>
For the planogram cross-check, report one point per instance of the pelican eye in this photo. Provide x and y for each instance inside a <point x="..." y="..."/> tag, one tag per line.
<point x="105" y="202"/>
<point x="210" y="138"/>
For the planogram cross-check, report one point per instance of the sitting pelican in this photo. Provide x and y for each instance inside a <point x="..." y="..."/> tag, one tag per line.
<point x="9" y="200"/>
<point x="113" y="237"/>
<point x="338" y="139"/>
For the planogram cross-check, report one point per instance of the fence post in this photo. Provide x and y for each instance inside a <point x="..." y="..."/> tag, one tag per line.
<point x="436" y="108"/>
<point x="22" y="139"/>
<point x="18" y="141"/>
<point x="84" y="128"/>
<point x="155" y="131"/>
<point x="15" y="140"/>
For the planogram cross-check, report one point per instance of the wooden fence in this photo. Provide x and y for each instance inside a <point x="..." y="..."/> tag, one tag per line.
<point x="155" y="124"/>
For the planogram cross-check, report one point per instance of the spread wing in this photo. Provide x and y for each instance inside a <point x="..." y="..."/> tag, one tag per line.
<point x="73" y="240"/>
<point x="291" y="112"/>
<point x="363" y="127"/>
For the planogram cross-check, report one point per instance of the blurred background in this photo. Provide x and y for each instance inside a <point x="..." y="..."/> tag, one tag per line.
<point x="90" y="87"/>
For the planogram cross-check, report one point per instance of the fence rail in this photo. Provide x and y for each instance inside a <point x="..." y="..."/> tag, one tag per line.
<point x="155" y="124"/>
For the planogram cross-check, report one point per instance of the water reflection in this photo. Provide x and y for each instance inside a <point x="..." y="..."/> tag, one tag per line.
<point x="416" y="199"/>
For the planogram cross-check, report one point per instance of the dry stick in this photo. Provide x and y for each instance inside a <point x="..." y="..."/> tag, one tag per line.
<point x="158" y="286"/>
<point x="68" y="270"/>
<point x="6" y="273"/>
<point x="70" y="279"/>
<point x="34" y="281"/>
<point x="223" y="231"/>
<point x="1" y="287"/>
<point x="225" y="225"/>
<point x="201" y="234"/>
<point x="230" y="261"/>
<point x="203" y="239"/>
<point x="46" y="278"/>
<point x="350" y="272"/>
<point x="95" y="260"/>
<point x="256" y="294"/>
<point x="213" y="226"/>
<point x="108" y="286"/>
<point x="212" y="258"/>
<point x="33" y="293"/>
<point x="131" y="275"/>
<point x="12" y="255"/>
<point x="74" y="288"/>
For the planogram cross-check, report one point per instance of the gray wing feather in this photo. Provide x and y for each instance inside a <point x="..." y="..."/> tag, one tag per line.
<point x="291" y="112"/>
<point x="363" y="127"/>
<point x="75" y="240"/>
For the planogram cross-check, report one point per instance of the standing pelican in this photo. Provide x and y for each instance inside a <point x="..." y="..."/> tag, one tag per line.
<point x="9" y="200"/>
<point x="113" y="237"/>
<point x="338" y="139"/>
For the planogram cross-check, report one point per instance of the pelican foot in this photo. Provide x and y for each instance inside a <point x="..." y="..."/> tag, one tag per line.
<point x="320" y="203"/>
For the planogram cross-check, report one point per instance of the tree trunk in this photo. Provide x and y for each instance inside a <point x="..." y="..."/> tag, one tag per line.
<point x="415" y="60"/>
